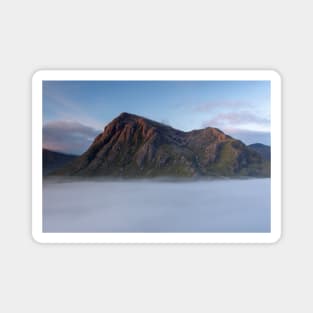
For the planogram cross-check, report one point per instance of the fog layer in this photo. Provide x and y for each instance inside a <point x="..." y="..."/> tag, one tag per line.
<point x="151" y="206"/>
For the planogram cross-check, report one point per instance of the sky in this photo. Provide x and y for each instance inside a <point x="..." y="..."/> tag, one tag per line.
<point x="75" y="112"/>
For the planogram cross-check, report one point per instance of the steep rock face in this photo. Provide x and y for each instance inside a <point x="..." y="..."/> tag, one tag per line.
<point x="133" y="146"/>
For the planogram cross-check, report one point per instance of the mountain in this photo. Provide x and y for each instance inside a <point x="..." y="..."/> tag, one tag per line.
<point x="52" y="160"/>
<point x="263" y="150"/>
<point x="134" y="146"/>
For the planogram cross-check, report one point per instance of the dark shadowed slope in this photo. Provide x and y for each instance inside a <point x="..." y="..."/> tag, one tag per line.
<point x="263" y="150"/>
<point x="133" y="146"/>
<point x="52" y="160"/>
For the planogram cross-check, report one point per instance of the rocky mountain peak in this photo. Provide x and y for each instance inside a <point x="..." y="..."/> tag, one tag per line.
<point x="131" y="145"/>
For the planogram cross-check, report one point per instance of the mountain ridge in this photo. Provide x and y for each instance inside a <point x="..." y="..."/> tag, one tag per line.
<point x="53" y="160"/>
<point x="134" y="146"/>
<point x="263" y="150"/>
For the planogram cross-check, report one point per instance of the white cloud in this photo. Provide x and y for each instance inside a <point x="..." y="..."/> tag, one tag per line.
<point x="68" y="136"/>
<point x="213" y="106"/>
<point x="240" y="119"/>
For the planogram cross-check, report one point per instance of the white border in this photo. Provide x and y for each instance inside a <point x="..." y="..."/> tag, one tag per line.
<point x="42" y="75"/>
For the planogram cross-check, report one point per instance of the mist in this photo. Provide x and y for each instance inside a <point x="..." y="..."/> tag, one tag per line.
<point x="221" y="205"/>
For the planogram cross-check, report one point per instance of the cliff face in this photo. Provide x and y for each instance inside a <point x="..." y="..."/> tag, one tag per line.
<point x="133" y="146"/>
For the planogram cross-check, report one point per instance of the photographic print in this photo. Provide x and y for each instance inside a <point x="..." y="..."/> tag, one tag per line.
<point x="156" y="156"/>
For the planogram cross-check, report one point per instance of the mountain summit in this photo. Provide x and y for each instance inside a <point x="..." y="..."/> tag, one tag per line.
<point x="134" y="146"/>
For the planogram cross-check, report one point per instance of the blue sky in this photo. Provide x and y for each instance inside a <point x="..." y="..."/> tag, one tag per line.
<point x="75" y="111"/>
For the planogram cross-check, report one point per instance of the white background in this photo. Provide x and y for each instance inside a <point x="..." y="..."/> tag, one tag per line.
<point x="159" y="34"/>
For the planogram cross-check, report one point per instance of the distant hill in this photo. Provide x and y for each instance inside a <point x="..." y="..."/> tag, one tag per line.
<point x="134" y="146"/>
<point x="263" y="150"/>
<point x="52" y="160"/>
